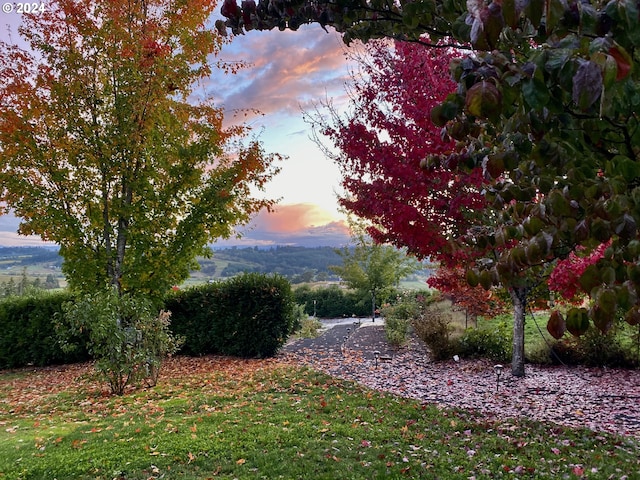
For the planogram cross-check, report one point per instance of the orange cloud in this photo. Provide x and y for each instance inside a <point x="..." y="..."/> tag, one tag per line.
<point x="292" y="218"/>
<point x="299" y="224"/>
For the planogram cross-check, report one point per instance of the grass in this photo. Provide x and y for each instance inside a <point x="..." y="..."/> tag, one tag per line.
<point x="223" y="418"/>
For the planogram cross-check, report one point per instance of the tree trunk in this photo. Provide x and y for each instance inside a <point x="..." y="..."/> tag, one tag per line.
<point x="519" y="299"/>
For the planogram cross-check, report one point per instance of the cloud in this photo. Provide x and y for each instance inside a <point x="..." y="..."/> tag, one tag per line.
<point x="288" y="70"/>
<point x="9" y="236"/>
<point x="297" y="224"/>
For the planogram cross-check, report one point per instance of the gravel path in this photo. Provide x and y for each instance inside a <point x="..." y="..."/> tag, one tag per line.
<point x="599" y="399"/>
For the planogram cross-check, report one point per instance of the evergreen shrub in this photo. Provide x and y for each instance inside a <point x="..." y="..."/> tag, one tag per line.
<point x="29" y="333"/>
<point x="332" y="302"/>
<point x="493" y="343"/>
<point x="248" y="316"/>
<point x="399" y="316"/>
<point x="595" y="349"/>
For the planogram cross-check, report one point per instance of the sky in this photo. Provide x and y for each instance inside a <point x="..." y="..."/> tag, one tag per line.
<point x="290" y="72"/>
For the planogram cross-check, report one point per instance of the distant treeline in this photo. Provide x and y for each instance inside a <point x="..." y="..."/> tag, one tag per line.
<point x="25" y="256"/>
<point x="299" y="264"/>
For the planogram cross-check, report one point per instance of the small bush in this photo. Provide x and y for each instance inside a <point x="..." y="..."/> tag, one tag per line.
<point x="127" y="338"/>
<point x="434" y="325"/>
<point x="309" y="327"/>
<point x="494" y="343"/>
<point x="434" y="328"/>
<point x="593" y="349"/>
<point x="398" y="318"/>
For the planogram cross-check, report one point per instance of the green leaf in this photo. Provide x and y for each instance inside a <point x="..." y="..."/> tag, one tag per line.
<point x="624" y="166"/>
<point x="536" y="93"/>
<point x="534" y="10"/>
<point x="509" y="12"/>
<point x="577" y="321"/>
<point x="590" y="278"/>
<point x="555" y="11"/>
<point x="630" y="13"/>
<point x="558" y="204"/>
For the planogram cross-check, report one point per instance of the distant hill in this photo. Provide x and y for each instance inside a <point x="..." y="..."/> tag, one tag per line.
<point x="29" y="256"/>
<point x="296" y="263"/>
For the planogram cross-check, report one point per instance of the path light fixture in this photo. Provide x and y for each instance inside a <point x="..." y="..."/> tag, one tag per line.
<point x="376" y="355"/>
<point x="498" y="369"/>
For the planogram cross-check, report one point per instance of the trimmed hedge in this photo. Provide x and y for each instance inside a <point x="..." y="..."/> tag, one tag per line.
<point x="247" y="316"/>
<point x="332" y="302"/>
<point x="28" y="331"/>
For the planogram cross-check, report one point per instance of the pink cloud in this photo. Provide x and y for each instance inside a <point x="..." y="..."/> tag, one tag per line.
<point x="297" y="224"/>
<point x="287" y="69"/>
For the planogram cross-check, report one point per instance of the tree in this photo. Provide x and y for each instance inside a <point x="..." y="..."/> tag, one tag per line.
<point x="381" y="147"/>
<point x="374" y="269"/>
<point x="107" y="152"/>
<point x="547" y="106"/>
<point x="387" y="140"/>
<point x="475" y="301"/>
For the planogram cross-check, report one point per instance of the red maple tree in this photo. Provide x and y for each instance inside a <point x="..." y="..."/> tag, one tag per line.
<point x="384" y="149"/>
<point x="474" y="301"/>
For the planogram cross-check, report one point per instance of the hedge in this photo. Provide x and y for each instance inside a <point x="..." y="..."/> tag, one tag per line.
<point x="28" y="331"/>
<point x="247" y="316"/>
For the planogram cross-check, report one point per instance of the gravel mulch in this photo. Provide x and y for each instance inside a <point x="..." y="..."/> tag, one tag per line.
<point x="600" y="399"/>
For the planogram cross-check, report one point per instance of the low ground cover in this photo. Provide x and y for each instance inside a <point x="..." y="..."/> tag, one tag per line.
<point x="216" y="417"/>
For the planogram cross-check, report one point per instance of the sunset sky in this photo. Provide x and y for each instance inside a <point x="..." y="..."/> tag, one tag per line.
<point x="291" y="72"/>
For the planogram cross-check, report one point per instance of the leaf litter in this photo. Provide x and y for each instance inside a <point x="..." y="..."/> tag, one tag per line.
<point x="599" y="399"/>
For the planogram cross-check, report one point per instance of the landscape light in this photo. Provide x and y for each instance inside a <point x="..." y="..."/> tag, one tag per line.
<point x="498" y="369"/>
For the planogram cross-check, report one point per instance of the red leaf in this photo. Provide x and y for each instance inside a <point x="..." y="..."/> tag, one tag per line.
<point x="556" y="325"/>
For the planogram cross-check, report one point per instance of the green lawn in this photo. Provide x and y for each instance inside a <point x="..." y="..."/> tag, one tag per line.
<point x="223" y="418"/>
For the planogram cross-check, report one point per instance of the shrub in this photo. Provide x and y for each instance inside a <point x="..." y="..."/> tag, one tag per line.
<point x="28" y="331"/>
<point x="434" y="327"/>
<point x="309" y="328"/>
<point x="332" y="302"/>
<point x="593" y="349"/>
<point x="494" y="343"/>
<point x="398" y="318"/>
<point x="192" y="311"/>
<point x="248" y="316"/>
<point x="127" y="337"/>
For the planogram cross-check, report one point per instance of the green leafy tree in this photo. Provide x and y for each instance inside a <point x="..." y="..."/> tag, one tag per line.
<point x="374" y="269"/>
<point x="108" y="152"/>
